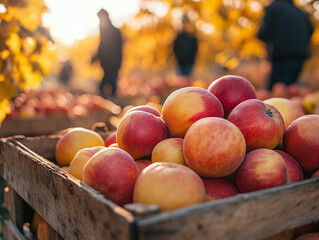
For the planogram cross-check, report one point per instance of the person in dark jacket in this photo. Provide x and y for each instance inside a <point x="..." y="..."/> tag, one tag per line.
<point x="286" y="30"/>
<point x="185" y="49"/>
<point x="109" y="53"/>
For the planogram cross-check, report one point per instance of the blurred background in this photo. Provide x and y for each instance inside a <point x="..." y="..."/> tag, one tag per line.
<point x="42" y="39"/>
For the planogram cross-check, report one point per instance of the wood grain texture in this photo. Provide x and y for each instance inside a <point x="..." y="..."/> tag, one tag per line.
<point x="50" y="125"/>
<point x="255" y="215"/>
<point x="70" y="207"/>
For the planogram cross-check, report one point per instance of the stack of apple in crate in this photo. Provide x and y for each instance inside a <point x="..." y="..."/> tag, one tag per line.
<point x="205" y="144"/>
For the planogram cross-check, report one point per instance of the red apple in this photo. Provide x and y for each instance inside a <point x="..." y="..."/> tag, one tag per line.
<point x="187" y="105"/>
<point x="232" y="90"/>
<point x="301" y="141"/>
<point x="293" y="167"/>
<point x="169" y="150"/>
<point x="261" y="169"/>
<point x="145" y="108"/>
<point x="169" y="185"/>
<point x="138" y="133"/>
<point x="261" y="124"/>
<point x="141" y="164"/>
<point x="214" y="147"/>
<point x="112" y="172"/>
<point x="110" y="139"/>
<point x="217" y="188"/>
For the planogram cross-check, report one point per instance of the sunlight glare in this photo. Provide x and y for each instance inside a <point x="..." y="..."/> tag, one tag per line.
<point x="72" y="20"/>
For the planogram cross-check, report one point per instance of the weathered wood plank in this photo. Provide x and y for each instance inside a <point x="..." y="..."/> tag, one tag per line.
<point x="11" y="232"/>
<point x="73" y="209"/>
<point x="52" y="234"/>
<point x="246" y="216"/>
<point x="50" y="125"/>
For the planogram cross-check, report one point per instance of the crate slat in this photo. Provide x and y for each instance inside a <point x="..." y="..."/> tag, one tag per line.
<point x="246" y="216"/>
<point x="70" y="207"/>
<point x="11" y="232"/>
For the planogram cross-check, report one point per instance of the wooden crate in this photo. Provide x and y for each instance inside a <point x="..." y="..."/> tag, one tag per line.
<point x="75" y="211"/>
<point x="50" y="125"/>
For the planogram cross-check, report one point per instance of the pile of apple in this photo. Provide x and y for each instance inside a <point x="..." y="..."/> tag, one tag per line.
<point x="204" y="144"/>
<point x="42" y="103"/>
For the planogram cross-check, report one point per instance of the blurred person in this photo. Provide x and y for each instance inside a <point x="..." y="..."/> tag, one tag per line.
<point x="109" y="53"/>
<point x="185" y="49"/>
<point x="66" y="72"/>
<point x="286" y="30"/>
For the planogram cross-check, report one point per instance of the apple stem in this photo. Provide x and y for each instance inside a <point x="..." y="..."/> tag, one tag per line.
<point x="268" y="112"/>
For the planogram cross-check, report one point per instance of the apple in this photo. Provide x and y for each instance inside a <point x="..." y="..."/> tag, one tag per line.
<point x="263" y="94"/>
<point x="138" y="133"/>
<point x="42" y="230"/>
<point x="110" y="139"/>
<point x="261" y="124"/>
<point x="293" y="167"/>
<point x="309" y="236"/>
<point x="214" y="147"/>
<point x="169" y="150"/>
<point x="141" y="164"/>
<point x="113" y="173"/>
<point x="186" y="105"/>
<point x="310" y="102"/>
<point x="232" y="90"/>
<point x="169" y="185"/>
<point x="288" y="109"/>
<point x="145" y="108"/>
<point x="279" y="89"/>
<point x="80" y="159"/>
<point x="261" y="169"/>
<point x="73" y="141"/>
<point x="217" y="188"/>
<point x="301" y="141"/>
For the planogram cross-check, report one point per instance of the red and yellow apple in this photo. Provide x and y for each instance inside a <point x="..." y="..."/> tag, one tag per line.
<point x="169" y="185"/>
<point x="232" y="90"/>
<point x="288" y="109"/>
<point x="186" y="105"/>
<point x="80" y="159"/>
<point x="214" y="147"/>
<point x="169" y="150"/>
<point x="261" y="124"/>
<point x="315" y="174"/>
<point x="138" y="133"/>
<point x="218" y="188"/>
<point x="113" y="173"/>
<point x="293" y="167"/>
<point x="73" y="141"/>
<point x="301" y="141"/>
<point x="261" y="169"/>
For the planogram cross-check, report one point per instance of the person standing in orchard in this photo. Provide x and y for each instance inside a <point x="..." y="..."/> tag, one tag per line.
<point x="109" y="53"/>
<point x="185" y="49"/>
<point x="286" y="30"/>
